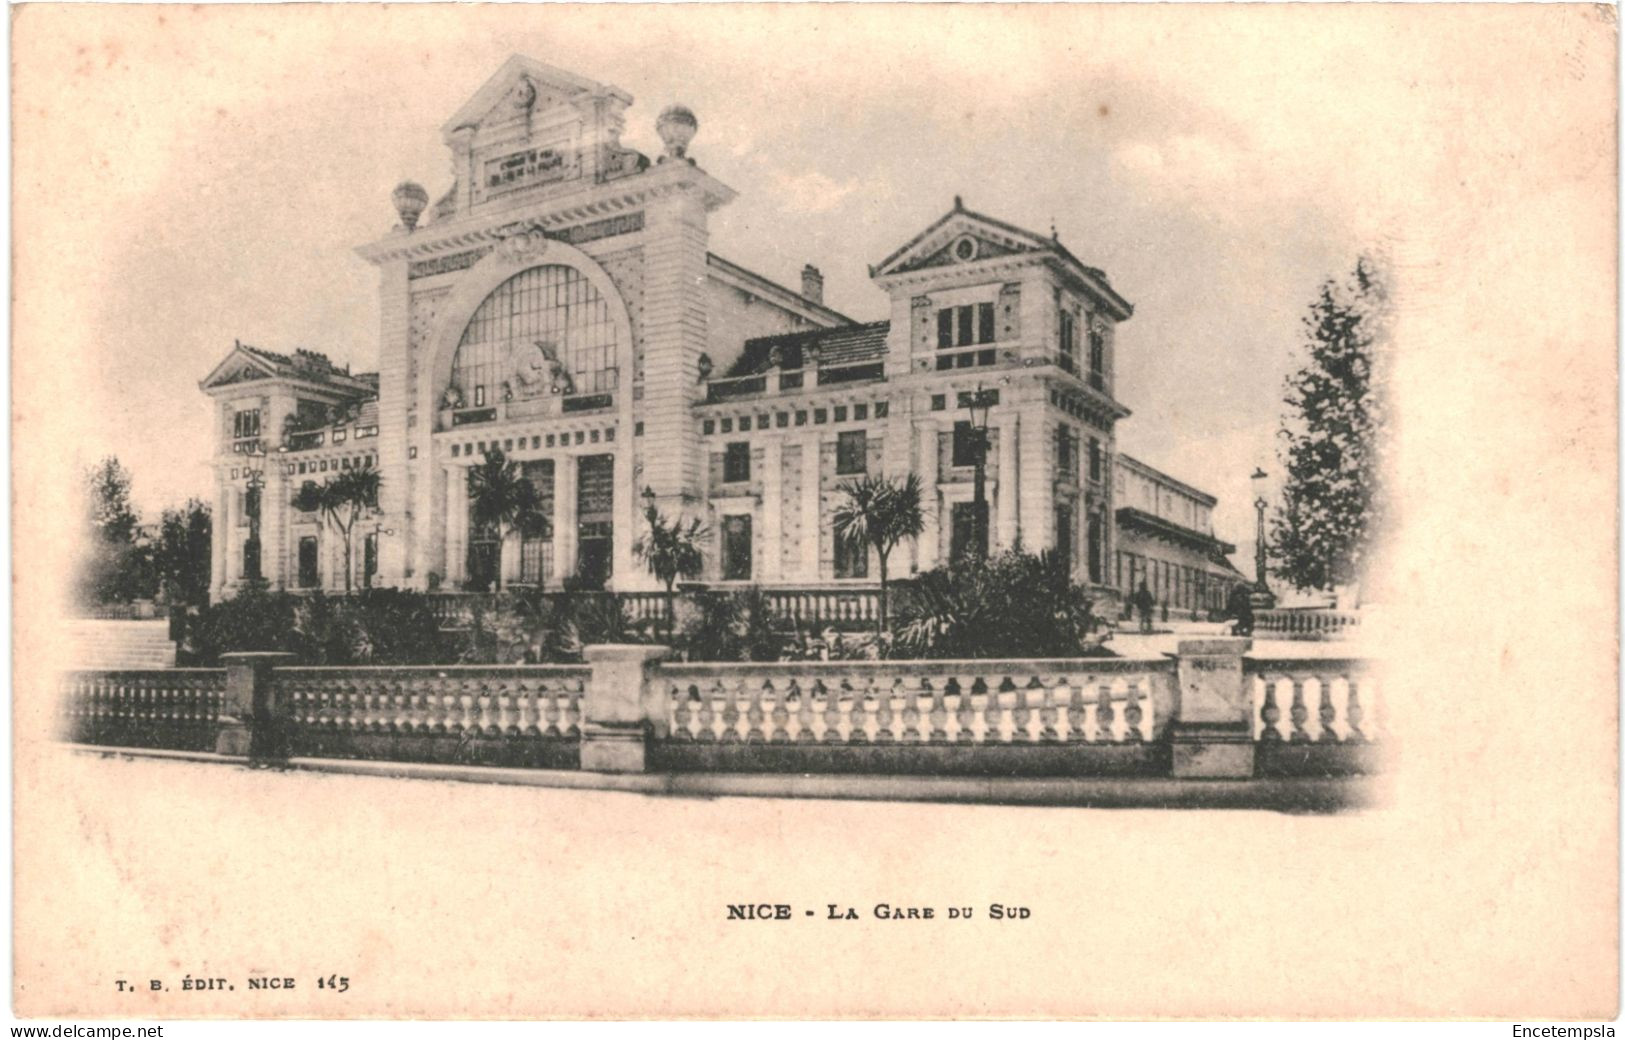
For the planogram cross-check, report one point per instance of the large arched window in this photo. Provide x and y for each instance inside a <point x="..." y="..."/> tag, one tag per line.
<point x="553" y="307"/>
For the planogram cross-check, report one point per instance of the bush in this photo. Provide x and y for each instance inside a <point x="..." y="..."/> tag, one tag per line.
<point x="731" y="626"/>
<point x="1014" y="604"/>
<point x="376" y="627"/>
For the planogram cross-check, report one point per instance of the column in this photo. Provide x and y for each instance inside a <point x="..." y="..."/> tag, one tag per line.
<point x="811" y="513"/>
<point x="456" y="525"/>
<point x="675" y="335"/>
<point x="395" y="397"/>
<point x="929" y="544"/>
<point x="566" y="502"/>
<point x="1009" y="480"/>
<point x="625" y="572"/>
<point x="273" y="525"/>
<point x="428" y="510"/>
<point x="772" y="508"/>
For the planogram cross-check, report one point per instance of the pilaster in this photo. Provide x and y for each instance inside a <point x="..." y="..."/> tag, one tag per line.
<point x="1011" y="435"/>
<point x="924" y="444"/>
<point x="566" y="505"/>
<point x="772" y="500"/>
<point x="394" y="360"/>
<point x="811" y="518"/>
<point x="674" y="333"/>
<point x="456" y="527"/>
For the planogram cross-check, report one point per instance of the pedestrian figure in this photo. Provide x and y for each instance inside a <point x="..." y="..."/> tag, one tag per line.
<point x="1240" y="607"/>
<point x="1144" y="602"/>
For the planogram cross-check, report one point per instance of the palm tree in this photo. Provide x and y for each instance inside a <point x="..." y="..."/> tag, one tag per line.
<point x="671" y="548"/>
<point x="875" y="511"/>
<point x="504" y="499"/>
<point x="342" y="500"/>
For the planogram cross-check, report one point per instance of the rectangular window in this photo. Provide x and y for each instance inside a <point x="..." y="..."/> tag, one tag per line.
<point x="479" y="397"/>
<point x="965" y="326"/>
<point x="1097" y="461"/>
<point x="1063" y="536"/>
<point x="308" y="576"/>
<point x="1097" y="360"/>
<point x="984" y="323"/>
<point x="1065" y="468"/>
<point x="736" y="463"/>
<point x="963" y="534"/>
<point x="736" y="548"/>
<point x="945" y="329"/>
<point x="1069" y="346"/>
<point x="965" y="317"/>
<point x="965" y="444"/>
<point x="851" y="561"/>
<point x="246" y="424"/>
<point x="852" y="452"/>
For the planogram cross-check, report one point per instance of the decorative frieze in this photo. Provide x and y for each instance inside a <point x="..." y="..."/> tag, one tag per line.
<point x="576" y="234"/>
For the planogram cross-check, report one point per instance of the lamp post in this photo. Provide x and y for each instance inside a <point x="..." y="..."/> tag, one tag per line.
<point x="980" y="402"/>
<point x="1263" y="598"/>
<point x="254" y="473"/>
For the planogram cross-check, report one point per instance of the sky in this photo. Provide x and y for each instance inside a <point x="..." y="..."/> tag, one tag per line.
<point x="221" y="165"/>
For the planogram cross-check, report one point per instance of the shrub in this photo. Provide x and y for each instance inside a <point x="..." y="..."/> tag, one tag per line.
<point x="1014" y="604"/>
<point x="253" y="620"/>
<point x="732" y="626"/>
<point x="378" y="627"/>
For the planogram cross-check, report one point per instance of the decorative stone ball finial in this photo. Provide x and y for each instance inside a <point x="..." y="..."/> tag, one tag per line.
<point x="410" y="199"/>
<point x="676" y="126"/>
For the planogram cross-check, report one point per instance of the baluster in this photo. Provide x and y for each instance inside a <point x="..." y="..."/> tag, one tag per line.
<point x="1105" y="717"/>
<point x="884" y="717"/>
<point x="1133" y="714"/>
<point x="802" y="694"/>
<point x="912" y="698"/>
<point x="681" y="716"/>
<point x="1300" y="713"/>
<point x="1328" y="711"/>
<point x="939" y="711"/>
<point x="1021" y="718"/>
<point x="781" y="714"/>
<point x="1270" y="714"/>
<point x="964" y="708"/>
<point x="858" y="733"/>
<point x="708" y="716"/>
<point x="1077" y="713"/>
<point x="554" y="714"/>
<point x="572" y="708"/>
<point x="993" y="714"/>
<point x="831" y="697"/>
<point x="1352" y="712"/>
<point x="754" y="714"/>
<point x="1049" y="713"/>
<point x="730" y="710"/>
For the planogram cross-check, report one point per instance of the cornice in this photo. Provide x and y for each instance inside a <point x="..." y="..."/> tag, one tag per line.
<point x="491" y="223"/>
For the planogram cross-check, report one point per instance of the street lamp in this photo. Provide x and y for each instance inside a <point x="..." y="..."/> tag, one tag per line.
<point x="254" y="473"/>
<point x="978" y="405"/>
<point x="1260" y="481"/>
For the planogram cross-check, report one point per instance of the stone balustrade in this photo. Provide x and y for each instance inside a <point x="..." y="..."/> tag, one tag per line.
<point x="1306" y="624"/>
<point x="1208" y="711"/>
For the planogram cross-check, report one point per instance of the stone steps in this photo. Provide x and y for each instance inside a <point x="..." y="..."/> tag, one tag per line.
<point x="121" y="644"/>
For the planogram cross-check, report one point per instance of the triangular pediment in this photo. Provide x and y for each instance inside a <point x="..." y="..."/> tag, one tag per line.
<point x="962" y="237"/>
<point x="524" y="85"/>
<point x="240" y="366"/>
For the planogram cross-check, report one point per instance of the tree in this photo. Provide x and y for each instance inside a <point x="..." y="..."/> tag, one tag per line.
<point x="875" y="511"/>
<point x="114" y="568"/>
<point x="182" y="555"/>
<point x="342" y="500"/>
<point x="671" y="548"/>
<point x="1333" y="438"/>
<point x="502" y="498"/>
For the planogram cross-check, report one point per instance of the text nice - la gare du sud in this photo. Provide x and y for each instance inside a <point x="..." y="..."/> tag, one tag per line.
<point x="881" y="912"/>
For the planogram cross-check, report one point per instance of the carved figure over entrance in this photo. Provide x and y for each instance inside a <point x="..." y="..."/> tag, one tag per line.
<point x="534" y="369"/>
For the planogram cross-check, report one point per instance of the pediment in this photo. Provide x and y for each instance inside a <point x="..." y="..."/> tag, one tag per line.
<point x="962" y="237"/>
<point x="524" y="88"/>
<point x="238" y="367"/>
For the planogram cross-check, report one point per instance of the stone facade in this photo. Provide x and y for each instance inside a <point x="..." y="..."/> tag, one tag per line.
<point x="560" y="303"/>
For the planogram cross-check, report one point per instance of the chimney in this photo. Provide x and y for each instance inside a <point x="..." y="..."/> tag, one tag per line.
<point x="812" y="284"/>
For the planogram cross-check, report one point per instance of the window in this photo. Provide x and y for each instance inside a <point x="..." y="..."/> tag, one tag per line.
<point x="964" y="326"/>
<point x="1097" y="460"/>
<point x="245" y="424"/>
<point x="1066" y="468"/>
<point x="851" y="561"/>
<point x="536" y="553"/>
<point x="554" y="308"/>
<point x="1097" y="359"/>
<point x="1069" y="345"/>
<point x="308" y="576"/>
<point x="736" y="463"/>
<point x="736" y="548"/>
<point x="1063" y="537"/>
<point x="963" y="535"/>
<point x="966" y="439"/>
<point x="1096" y="548"/>
<point x="852" y="452"/>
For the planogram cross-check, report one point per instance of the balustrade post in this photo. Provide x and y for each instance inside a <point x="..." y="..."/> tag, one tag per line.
<point x="624" y="706"/>
<point x="250" y="724"/>
<point x="1212" y="726"/>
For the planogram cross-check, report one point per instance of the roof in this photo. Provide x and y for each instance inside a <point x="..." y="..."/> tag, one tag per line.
<point x="1162" y="478"/>
<point x="842" y="345"/>
<point x="762" y="283"/>
<point x="306" y="365"/>
<point x="1213" y="547"/>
